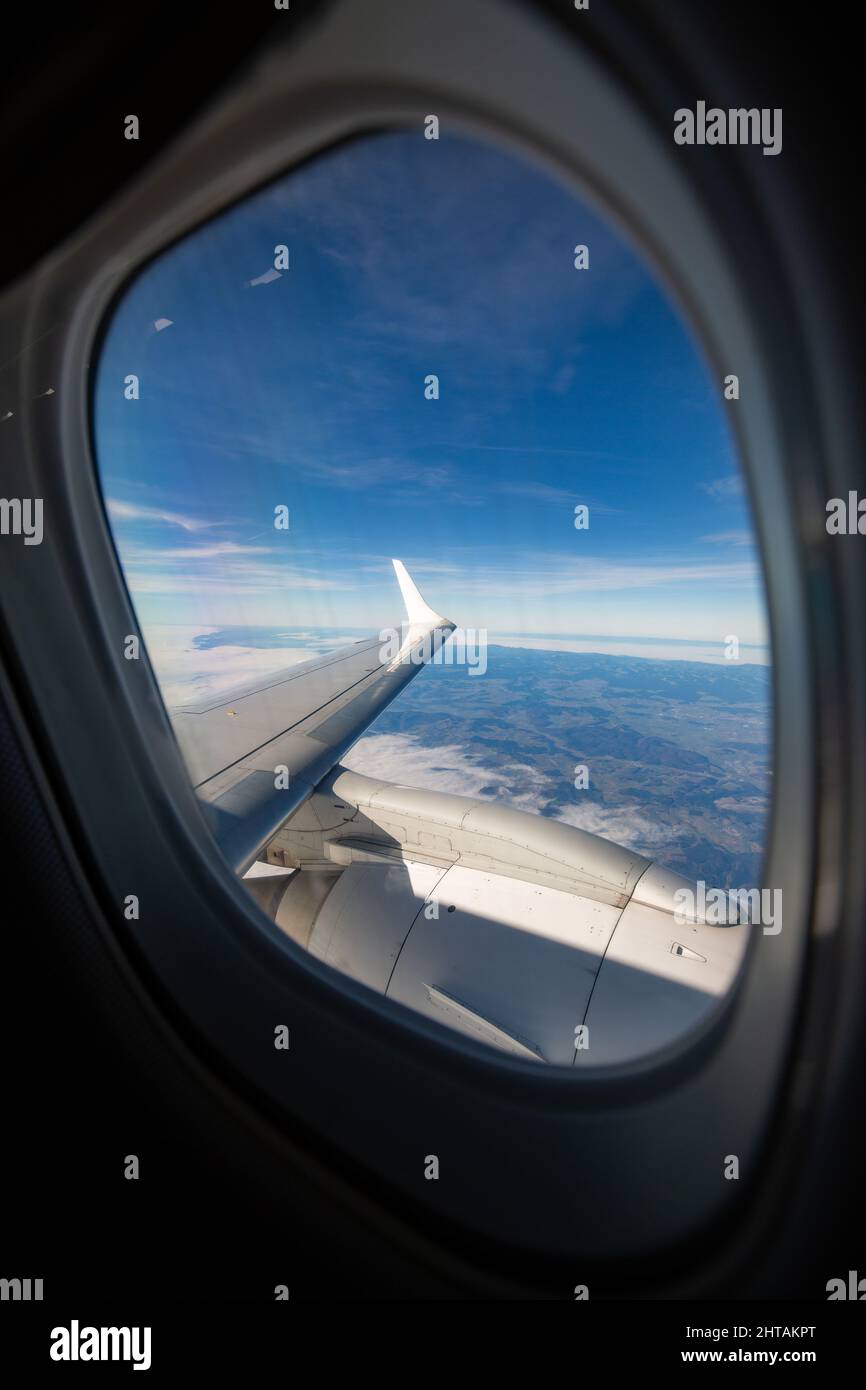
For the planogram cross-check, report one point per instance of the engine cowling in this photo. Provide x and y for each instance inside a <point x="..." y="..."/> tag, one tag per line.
<point x="530" y="935"/>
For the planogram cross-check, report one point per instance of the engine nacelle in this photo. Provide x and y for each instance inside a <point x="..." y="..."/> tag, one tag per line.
<point x="533" y="936"/>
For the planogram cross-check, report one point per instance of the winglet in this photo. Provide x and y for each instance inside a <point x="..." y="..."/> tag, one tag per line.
<point x="417" y="610"/>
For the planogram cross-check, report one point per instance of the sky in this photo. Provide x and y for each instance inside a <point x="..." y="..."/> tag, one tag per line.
<point x="558" y="387"/>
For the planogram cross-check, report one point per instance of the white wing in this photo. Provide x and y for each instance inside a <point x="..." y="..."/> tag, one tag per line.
<point x="303" y="719"/>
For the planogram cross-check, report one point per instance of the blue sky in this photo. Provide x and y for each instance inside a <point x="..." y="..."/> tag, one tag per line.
<point x="558" y="387"/>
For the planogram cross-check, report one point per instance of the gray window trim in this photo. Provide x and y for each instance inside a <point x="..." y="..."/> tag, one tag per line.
<point x="595" y="1159"/>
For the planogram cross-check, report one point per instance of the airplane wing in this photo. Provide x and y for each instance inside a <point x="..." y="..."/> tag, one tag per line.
<point x="515" y="929"/>
<point x="257" y="752"/>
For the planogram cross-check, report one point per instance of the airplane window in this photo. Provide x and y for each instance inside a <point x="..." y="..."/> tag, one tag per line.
<point x="427" y="503"/>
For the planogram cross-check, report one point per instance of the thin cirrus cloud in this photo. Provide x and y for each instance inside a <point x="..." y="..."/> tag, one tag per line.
<point x="246" y="580"/>
<point x="384" y="241"/>
<point x="547" y="492"/>
<point x="173" y="555"/>
<point x="739" y="537"/>
<point x="348" y="471"/>
<point x="549" y="574"/>
<point x="231" y="565"/>
<point x="730" y="486"/>
<point x="134" y="511"/>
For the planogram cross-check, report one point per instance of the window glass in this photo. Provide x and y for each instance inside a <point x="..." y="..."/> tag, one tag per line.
<point x="430" y="350"/>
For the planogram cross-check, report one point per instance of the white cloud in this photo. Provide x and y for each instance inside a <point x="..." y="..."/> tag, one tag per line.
<point x="187" y="673"/>
<point x="133" y="511"/>
<point x="592" y="574"/>
<point x="167" y="555"/>
<point x="546" y="492"/>
<point x="401" y="758"/>
<point x="623" y="825"/>
<point x="741" y="537"/>
<point x="266" y="278"/>
<point x="405" y="760"/>
<point x="444" y="767"/>
<point x="656" y="649"/>
<point x="729" y="486"/>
